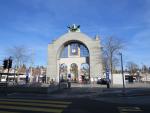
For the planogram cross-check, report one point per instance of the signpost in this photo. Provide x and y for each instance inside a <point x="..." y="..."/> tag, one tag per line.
<point x="27" y="76"/>
<point x="107" y="77"/>
<point x="107" y="73"/>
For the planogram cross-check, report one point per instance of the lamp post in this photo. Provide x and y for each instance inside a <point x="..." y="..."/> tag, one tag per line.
<point x="59" y="67"/>
<point x="59" y="75"/>
<point x="122" y="73"/>
<point x="138" y="75"/>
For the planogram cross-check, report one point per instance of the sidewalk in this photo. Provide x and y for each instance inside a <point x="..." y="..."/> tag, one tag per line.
<point x="131" y="96"/>
<point x="87" y="91"/>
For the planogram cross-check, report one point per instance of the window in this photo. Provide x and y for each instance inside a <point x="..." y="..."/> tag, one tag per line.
<point x="84" y="51"/>
<point x="64" y="53"/>
<point x="76" y="49"/>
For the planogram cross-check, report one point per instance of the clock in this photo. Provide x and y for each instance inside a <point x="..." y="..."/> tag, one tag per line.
<point x="73" y="50"/>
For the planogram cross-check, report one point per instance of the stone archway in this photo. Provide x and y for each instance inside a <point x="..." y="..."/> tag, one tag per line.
<point x="55" y="48"/>
<point x="73" y="54"/>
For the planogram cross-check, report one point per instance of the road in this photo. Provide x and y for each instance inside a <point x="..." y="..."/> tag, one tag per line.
<point x="92" y="106"/>
<point x="32" y="106"/>
<point x="81" y="105"/>
<point x="78" y="100"/>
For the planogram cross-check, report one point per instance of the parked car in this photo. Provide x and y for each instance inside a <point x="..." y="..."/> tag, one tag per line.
<point x="102" y="81"/>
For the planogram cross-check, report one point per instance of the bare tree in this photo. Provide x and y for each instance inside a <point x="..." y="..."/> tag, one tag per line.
<point x="145" y="69"/>
<point x="132" y="67"/>
<point x="19" y="54"/>
<point x="22" y="69"/>
<point x="111" y="48"/>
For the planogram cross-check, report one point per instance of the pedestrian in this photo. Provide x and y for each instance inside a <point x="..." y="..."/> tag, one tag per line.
<point x="69" y="81"/>
<point x="108" y="83"/>
<point x="27" y="79"/>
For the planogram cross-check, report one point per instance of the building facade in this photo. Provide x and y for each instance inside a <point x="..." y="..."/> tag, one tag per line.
<point x="74" y="55"/>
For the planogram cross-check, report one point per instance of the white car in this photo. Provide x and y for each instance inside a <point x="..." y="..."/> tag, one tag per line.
<point x="3" y="78"/>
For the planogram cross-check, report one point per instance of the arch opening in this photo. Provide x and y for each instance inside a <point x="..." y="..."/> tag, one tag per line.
<point x="85" y="73"/>
<point x="63" y="71"/>
<point x="74" y="72"/>
<point x="73" y="54"/>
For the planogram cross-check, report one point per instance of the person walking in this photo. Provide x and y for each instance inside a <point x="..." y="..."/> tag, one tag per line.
<point x="69" y="81"/>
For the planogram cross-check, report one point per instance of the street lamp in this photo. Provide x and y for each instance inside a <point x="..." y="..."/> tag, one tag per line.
<point x="138" y="75"/>
<point x="59" y="75"/>
<point x="122" y="72"/>
<point x="59" y="67"/>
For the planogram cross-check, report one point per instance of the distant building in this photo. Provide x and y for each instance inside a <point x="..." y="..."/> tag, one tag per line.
<point x="35" y="75"/>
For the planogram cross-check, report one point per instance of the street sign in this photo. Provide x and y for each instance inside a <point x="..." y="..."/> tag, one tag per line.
<point x="107" y="73"/>
<point x="27" y="75"/>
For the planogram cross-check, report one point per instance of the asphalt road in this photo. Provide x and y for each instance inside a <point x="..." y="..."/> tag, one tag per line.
<point x="78" y="100"/>
<point x="81" y="105"/>
<point x="92" y="106"/>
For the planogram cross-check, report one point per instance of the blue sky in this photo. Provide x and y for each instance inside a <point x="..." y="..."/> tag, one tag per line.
<point x="35" y="23"/>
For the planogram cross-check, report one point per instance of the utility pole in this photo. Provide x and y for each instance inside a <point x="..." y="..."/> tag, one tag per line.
<point x="122" y="73"/>
<point x="32" y="62"/>
<point x="59" y="75"/>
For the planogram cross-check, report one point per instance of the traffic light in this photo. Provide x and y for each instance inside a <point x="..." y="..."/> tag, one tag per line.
<point x="9" y="63"/>
<point x="5" y="64"/>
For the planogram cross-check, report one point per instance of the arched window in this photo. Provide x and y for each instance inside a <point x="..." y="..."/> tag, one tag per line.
<point x="64" y="53"/>
<point x="84" y="52"/>
<point x="76" y="48"/>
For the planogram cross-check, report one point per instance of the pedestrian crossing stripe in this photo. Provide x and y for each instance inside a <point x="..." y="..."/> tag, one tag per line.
<point x="48" y="110"/>
<point x="34" y="104"/>
<point x="129" y="109"/>
<point x="8" y="112"/>
<point x="43" y="101"/>
<point x="49" y="106"/>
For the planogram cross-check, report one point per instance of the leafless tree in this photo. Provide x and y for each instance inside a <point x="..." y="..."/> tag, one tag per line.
<point x="19" y="54"/>
<point x="145" y="69"/>
<point x="22" y="69"/>
<point x="132" y="67"/>
<point x="111" y="48"/>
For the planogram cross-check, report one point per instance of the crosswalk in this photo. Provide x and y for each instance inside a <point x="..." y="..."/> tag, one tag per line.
<point x="129" y="109"/>
<point x="34" y="106"/>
